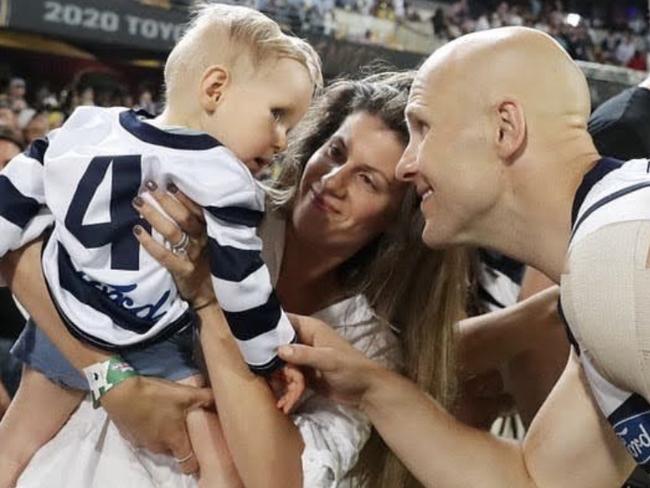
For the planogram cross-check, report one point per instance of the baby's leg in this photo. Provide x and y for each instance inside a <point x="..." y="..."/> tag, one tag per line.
<point x="37" y="412"/>
<point x="217" y="467"/>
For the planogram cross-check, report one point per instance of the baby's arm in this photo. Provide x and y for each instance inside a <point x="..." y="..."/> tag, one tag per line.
<point x="23" y="215"/>
<point x="233" y="207"/>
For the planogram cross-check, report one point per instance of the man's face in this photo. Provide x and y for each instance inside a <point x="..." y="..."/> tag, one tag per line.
<point x="449" y="156"/>
<point x="7" y="152"/>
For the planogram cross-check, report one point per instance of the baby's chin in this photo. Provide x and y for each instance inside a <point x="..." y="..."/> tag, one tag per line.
<point x="257" y="165"/>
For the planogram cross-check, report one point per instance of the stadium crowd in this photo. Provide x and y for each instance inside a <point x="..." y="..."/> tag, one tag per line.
<point x="617" y="34"/>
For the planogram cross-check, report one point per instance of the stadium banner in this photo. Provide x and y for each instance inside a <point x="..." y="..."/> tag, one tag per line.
<point x="119" y="22"/>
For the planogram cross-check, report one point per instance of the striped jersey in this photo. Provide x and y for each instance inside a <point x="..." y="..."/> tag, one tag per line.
<point x="612" y="192"/>
<point x="108" y="290"/>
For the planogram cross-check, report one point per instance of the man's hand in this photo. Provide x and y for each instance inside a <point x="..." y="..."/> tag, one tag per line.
<point x="151" y="413"/>
<point x="339" y="371"/>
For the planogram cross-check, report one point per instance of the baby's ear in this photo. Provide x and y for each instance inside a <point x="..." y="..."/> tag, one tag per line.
<point x="214" y="81"/>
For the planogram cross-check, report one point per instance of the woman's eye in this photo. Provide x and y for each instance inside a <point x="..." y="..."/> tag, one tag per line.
<point x="277" y="114"/>
<point x="367" y="180"/>
<point x="334" y="151"/>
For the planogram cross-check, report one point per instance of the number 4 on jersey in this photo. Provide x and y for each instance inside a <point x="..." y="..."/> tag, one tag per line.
<point x="125" y="184"/>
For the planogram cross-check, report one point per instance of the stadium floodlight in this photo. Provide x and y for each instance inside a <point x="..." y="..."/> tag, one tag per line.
<point x="573" y="19"/>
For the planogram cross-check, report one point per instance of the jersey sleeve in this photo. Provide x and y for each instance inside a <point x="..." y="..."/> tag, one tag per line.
<point x="233" y="208"/>
<point x="23" y="214"/>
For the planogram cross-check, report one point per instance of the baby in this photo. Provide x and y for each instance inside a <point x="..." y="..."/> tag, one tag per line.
<point x="235" y="86"/>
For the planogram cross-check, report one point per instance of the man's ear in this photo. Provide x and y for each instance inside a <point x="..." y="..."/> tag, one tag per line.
<point x="214" y="81"/>
<point x="510" y="137"/>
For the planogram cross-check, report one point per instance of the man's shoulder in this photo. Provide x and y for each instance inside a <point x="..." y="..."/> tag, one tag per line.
<point x="622" y="195"/>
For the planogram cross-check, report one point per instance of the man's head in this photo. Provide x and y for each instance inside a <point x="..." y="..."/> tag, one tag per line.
<point x="483" y="113"/>
<point x="10" y="145"/>
<point x="236" y="76"/>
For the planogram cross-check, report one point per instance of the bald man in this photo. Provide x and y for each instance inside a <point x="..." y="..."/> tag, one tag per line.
<point x="501" y="156"/>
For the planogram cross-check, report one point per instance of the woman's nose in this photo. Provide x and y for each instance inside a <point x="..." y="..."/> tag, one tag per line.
<point x="335" y="181"/>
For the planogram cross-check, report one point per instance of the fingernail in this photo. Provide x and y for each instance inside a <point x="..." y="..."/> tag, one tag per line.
<point x="137" y="230"/>
<point x="171" y="188"/>
<point x="285" y="351"/>
<point x="138" y="202"/>
<point x="151" y="185"/>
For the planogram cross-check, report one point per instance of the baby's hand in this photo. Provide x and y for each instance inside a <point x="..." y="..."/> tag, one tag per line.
<point x="288" y="384"/>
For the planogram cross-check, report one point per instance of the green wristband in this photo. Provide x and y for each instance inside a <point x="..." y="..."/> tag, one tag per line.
<point x="106" y="375"/>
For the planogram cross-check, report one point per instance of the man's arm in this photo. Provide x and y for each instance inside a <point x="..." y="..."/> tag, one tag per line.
<point x="569" y="443"/>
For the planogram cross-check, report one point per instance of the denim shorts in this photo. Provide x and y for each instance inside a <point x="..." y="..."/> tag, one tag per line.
<point x="172" y="359"/>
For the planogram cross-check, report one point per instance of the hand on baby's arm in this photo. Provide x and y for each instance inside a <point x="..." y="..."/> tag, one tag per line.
<point x="288" y="385"/>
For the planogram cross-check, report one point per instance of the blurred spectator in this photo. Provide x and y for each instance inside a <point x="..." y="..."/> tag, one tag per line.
<point x="55" y="119"/>
<point x="146" y="102"/>
<point x="17" y="93"/>
<point x="8" y="117"/>
<point x="10" y="145"/>
<point x="439" y="23"/>
<point x="87" y="96"/>
<point x="625" y="50"/>
<point x="37" y="127"/>
<point x="574" y="31"/>
<point x="639" y="61"/>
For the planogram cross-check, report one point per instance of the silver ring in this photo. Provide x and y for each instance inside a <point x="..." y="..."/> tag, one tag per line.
<point x="181" y="246"/>
<point x="185" y="459"/>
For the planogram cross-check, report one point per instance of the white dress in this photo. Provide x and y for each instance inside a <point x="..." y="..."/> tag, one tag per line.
<point x="89" y="452"/>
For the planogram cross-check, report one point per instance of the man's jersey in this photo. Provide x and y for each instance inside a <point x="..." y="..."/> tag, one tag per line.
<point x="613" y="192"/>
<point x="110" y="292"/>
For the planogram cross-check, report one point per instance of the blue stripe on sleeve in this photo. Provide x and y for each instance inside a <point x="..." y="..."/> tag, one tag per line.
<point x="36" y="149"/>
<point x="237" y="215"/>
<point x="14" y="206"/>
<point x="232" y="264"/>
<point x="253" y="322"/>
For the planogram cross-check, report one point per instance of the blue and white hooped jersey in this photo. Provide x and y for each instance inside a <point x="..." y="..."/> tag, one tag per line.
<point x="109" y="291"/>
<point x="613" y="191"/>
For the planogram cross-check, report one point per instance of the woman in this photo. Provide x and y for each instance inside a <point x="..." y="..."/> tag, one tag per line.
<point x="343" y="243"/>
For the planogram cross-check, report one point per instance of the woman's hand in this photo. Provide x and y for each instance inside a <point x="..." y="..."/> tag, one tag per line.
<point x="151" y="413"/>
<point x="190" y="267"/>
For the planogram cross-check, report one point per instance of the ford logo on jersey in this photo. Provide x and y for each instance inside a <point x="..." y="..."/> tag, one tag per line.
<point x="634" y="431"/>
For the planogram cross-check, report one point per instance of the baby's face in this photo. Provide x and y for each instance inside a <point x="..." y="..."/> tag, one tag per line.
<point x="255" y="114"/>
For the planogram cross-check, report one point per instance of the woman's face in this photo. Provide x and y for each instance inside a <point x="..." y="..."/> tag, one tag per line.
<point x="348" y="193"/>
